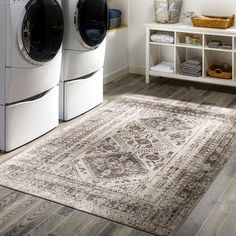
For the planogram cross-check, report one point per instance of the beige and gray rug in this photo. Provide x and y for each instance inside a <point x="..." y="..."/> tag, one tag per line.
<point x="140" y="161"/>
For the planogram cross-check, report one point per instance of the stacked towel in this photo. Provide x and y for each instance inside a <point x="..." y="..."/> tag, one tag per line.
<point x="165" y="66"/>
<point x="215" y="44"/>
<point x="226" y="46"/>
<point x="191" y="68"/>
<point x="114" y="18"/>
<point x="114" y="13"/>
<point x="162" y="37"/>
<point x="219" y="44"/>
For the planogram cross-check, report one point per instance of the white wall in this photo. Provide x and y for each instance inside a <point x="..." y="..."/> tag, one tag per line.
<point x="211" y="7"/>
<point x="141" y="12"/>
<point x="116" y="58"/>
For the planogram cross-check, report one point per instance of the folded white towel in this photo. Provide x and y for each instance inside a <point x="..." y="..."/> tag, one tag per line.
<point x="165" y="66"/>
<point x="164" y="37"/>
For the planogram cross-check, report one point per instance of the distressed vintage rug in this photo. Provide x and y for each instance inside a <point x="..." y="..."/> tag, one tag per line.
<point x="143" y="162"/>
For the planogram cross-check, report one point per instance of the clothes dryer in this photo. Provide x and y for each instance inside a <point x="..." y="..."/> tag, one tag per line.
<point x="30" y="63"/>
<point x="81" y="83"/>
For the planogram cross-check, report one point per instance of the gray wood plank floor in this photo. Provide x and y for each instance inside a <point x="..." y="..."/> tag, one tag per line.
<point x="22" y="214"/>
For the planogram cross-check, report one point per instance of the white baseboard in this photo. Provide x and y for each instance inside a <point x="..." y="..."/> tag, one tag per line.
<point x="116" y="75"/>
<point x="137" y="70"/>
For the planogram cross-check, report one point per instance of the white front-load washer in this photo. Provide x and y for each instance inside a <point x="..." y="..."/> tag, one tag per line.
<point x="30" y="64"/>
<point x="81" y="82"/>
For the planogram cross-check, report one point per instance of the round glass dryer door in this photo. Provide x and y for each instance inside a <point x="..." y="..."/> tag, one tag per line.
<point x="91" y="22"/>
<point x="42" y="31"/>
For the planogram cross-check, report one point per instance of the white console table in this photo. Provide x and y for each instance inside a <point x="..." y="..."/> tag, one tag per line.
<point x="179" y="51"/>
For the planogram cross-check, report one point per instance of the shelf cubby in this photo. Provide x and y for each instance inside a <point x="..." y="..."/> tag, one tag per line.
<point x="181" y="39"/>
<point x="160" y="53"/>
<point x="183" y="54"/>
<point x="223" y="39"/>
<point x="217" y="58"/>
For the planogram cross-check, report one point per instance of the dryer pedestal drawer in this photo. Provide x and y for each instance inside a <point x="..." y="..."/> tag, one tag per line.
<point x="81" y="95"/>
<point x="28" y="120"/>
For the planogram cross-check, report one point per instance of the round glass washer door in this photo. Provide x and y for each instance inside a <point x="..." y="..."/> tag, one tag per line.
<point x="91" y="22"/>
<point x="42" y="31"/>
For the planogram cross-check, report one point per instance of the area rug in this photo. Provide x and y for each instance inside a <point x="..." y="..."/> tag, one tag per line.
<point x="139" y="161"/>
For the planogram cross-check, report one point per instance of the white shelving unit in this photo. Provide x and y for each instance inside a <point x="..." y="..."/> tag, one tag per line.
<point x="179" y="51"/>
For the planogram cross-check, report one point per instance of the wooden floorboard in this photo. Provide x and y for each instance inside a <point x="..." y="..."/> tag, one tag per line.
<point x="31" y="219"/>
<point x="11" y="214"/>
<point x="73" y="224"/>
<point x="113" y="229"/>
<point x="4" y="191"/>
<point x="52" y="222"/>
<point x="22" y="214"/>
<point x="221" y="212"/>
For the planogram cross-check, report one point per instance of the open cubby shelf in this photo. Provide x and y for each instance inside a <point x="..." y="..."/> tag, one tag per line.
<point x="180" y="51"/>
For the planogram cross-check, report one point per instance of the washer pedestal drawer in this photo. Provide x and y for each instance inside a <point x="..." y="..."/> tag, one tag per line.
<point x="80" y="95"/>
<point x="26" y="121"/>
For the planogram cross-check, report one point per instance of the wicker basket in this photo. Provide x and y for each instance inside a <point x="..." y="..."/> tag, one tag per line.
<point x="223" y="71"/>
<point x="213" y="21"/>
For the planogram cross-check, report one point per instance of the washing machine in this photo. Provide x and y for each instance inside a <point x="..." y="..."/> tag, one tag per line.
<point x="81" y="83"/>
<point x="30" y="64"/>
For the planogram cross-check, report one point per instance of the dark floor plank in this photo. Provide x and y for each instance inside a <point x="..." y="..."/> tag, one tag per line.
<point x="202" y="97"/>
<point x="11" y="214"/>
<point x="9" y="200"/>
<point x="191" y="95"/>
<point x="232" y="104"/>
<point x="166" y="91"/>
<point x="151" y="89"/>
<point x="4" y="191"/>
<point x="93" y="228"/>
<point x="47" y="225"/>
<point x="113" y="229"/>
<point x="65" y="211"/>
<point x="73" y="224"/>
<point x="218" y="217"/>
<point x="52" y="221"/>
<point x="229" y="226"/>
<point x="31" y="219"/>
<point x="219" y="99"/>
<point x="122" y="86"/>
<point x="136" y="232"/>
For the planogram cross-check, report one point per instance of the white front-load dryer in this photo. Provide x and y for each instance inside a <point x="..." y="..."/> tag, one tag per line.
<point x="81" y="82"/>
<point x="30" y="61"/>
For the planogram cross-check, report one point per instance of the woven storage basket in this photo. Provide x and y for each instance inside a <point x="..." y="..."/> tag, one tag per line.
<point x="213" y="21"/>
<point x="223" y="71"/>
